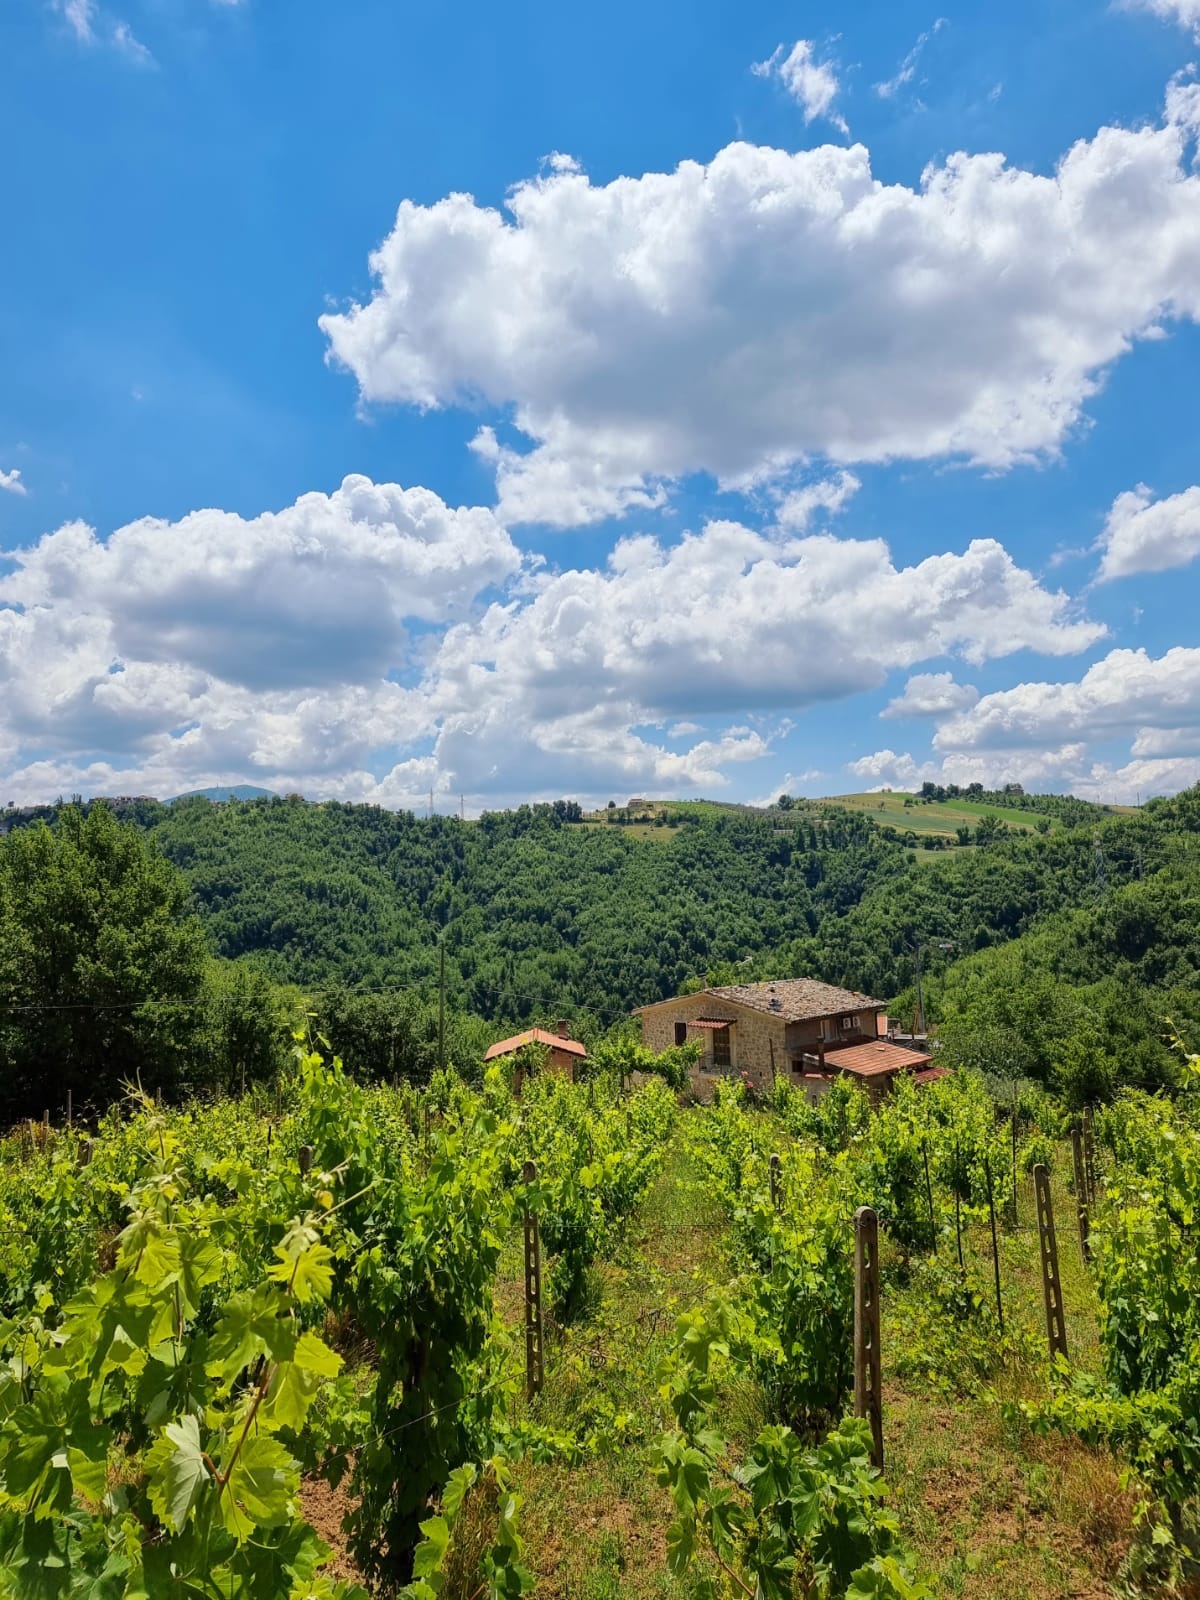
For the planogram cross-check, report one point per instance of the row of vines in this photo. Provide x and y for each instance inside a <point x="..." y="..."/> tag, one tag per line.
<point x="203" y="1308"/>
<point x="157" y="1414"/>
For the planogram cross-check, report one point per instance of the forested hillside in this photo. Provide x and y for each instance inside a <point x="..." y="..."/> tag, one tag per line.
<point x="535" y="911"/>
<point x="1038" y="948"/>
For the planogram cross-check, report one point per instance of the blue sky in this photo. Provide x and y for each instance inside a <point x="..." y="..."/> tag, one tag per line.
<point x="651" y="399"/>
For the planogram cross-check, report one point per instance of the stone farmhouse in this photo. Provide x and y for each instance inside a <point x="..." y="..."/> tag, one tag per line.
<point x="796" y="1028"/>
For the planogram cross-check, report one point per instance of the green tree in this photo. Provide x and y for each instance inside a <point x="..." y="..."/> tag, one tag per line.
<point x="250" y="1025"/>
<point x="102" y="969"/>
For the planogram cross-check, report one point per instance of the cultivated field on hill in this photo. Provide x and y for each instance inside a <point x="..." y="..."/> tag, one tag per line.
<point x="942" y="817"/>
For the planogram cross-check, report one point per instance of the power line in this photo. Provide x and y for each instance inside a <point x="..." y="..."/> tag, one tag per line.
<point x="550" y="1002"/>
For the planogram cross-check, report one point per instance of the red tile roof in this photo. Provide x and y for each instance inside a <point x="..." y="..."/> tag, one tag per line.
<point x="535" y="1036"/>
<point x="710" y="1022"/>
<point x="868" y="1060"/>
<point x="928" y="1074"/>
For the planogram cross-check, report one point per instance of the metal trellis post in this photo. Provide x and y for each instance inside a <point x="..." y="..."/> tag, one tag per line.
<point x="534" y="1374"/>
<point x="987" y="1173"/>
<point x="867" y="1384"/>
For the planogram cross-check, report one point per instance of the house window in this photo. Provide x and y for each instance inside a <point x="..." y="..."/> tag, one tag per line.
<point x="722" y="1055"/>
<point x="681" y="1033"/>
<point x="850" y="1024"/>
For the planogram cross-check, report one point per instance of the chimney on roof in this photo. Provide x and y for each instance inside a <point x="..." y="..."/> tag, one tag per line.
<point x="562" y="1028"/>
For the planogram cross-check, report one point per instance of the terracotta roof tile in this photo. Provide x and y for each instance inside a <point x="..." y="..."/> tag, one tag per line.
<point x="535" y="1036"/>
<point x="929" y="1074"/>
<point x="868" y="1060"/>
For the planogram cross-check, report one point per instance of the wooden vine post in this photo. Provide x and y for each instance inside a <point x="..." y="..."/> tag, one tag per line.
<point x="534" y="1374"/>
<point x="306" y="1159"/>
<point x="776" y="1185"/>
<point x="1089" y="1158"/>
<point x="1016" y="1218"/>
<point x="1081" y="1194"/>
<point x="867" y="1382"/>
<point x="1056" y="1331"/>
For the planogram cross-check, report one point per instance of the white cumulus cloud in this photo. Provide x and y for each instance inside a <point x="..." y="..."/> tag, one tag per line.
<point x="812" y="84"/>
<point x="1143" y="534"/>
<point x="773" y="308"/>
<point x="313" y="594"/>
<point x="931" y="694"/>
<point x="347" y="645"/>
<point x="798" y="507"/>
<point x="727" y="619"/>
<point x="1184" y="12"/>
<point x="1126" y="691"/>
<point x="11" y="481"/>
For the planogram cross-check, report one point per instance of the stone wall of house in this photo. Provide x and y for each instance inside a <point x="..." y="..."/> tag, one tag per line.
<point x="751" y="1036"/>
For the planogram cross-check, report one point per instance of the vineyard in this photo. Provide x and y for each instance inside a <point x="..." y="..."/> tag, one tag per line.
<point x="329" y="1339"/>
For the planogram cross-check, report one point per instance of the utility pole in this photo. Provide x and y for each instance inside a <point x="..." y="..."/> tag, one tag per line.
<point x="442" y="1005"/>
<point x="920" y="1001"/>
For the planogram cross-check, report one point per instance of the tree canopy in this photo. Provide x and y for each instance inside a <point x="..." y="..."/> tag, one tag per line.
<point x="102" y="966"/>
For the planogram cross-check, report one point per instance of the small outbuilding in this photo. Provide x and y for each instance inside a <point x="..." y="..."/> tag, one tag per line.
<point x="564" y="1056"/>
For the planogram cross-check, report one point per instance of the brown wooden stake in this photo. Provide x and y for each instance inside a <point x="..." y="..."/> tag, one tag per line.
<point x="85" y="1152"/>
<point x="771" y="1048"/>
<point x="776" y="1186"/>
<point x="867" y="1383"/>
<point x="1056" y="1331"/>
<point x="534" y="1374"/>
<point x="306" y="1159"/>
<point x="987" y="1173"/>
<point x="1081" y="1195"/>
<point x="1089" y="1158"/>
